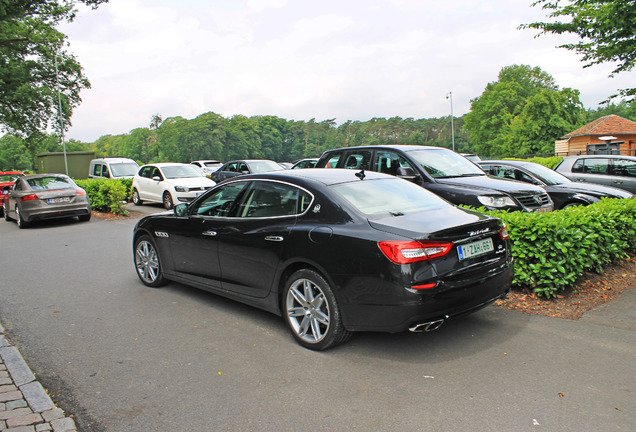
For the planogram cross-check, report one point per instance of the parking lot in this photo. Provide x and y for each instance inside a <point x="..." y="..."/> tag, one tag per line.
<point x="122" y="357"/>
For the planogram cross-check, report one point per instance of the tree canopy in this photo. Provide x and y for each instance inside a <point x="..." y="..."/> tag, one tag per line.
<point x="607" y="29"/>
<point x="522" y="113"/>
<point x="33" y="62"/>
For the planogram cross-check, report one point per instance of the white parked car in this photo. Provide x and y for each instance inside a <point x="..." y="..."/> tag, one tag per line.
<point x="208" y="166"/>
<point x="168" y="183"/>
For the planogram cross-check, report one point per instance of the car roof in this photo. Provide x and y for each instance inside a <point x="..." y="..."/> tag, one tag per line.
<point x="326" y="176"/>
<point x="30" y="176"/>
<point x="600" y="156"/>
<point x="516" y="163"/>
<point x="402" y="147"/>
<point x="164" y="164"/>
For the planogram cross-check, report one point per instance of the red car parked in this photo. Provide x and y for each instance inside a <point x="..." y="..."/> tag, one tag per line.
<point x="7" y="178"/>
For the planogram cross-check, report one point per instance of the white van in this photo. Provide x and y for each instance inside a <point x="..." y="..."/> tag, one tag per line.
<point x="113" y="167"/>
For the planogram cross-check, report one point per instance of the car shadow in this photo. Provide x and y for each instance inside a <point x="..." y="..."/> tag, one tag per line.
<point x="457" y="338"/>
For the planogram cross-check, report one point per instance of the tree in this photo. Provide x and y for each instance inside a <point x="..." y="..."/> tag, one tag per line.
<point x="33" y="63"/>
<point x="521" y="113"/>
<point x="607" y="29"/>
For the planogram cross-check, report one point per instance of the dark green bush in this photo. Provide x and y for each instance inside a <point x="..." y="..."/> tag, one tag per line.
<point x="106" y="195"/>
<point x="551" y="250"/>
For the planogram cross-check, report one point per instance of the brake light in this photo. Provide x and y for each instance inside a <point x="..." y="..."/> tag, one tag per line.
<point x="30" y="197"/>
<point x="503" y="232"/>
<point x="80" y="192"/>
<point x="406" y="252"/>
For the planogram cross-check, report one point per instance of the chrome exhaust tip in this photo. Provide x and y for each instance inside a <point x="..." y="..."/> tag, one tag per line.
<point x="427" y="326"/>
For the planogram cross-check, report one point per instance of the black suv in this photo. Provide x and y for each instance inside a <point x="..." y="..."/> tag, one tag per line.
<point x="443" y="172"/>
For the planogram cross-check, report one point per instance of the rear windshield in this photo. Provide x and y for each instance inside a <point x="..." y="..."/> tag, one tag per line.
<point x="41" y="183"/>
<point x="384" y="197"/>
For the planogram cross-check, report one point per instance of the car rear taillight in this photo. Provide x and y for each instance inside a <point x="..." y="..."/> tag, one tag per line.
<point x="406" y="252"/>
<point x="30" y="197"/>
<point x="80" y="192"/>
<point x="503" y="232"/>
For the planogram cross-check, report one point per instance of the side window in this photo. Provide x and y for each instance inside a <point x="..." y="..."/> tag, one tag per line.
<point x="333" y="160"/>
<point x="389" y="162"/>
<point x="222" y="202"/>
<point x="270" y="199"/>
<point x="242" y="167"/>
<point x="521" y="176"/>
<point x="596" y="166"/>
<point x="358" y="160"/>
<point x="97" y="170"/>
<point x="231" y="167"/>
<point x="146" y="172"/>
<point x="624" y="168"/>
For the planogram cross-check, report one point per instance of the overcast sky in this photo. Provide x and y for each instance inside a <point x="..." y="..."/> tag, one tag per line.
<point x="300" y="59"/>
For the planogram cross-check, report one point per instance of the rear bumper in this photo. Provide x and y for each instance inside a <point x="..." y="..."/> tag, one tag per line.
<point x="37" y="215"/>
<point x="447" y="301"/>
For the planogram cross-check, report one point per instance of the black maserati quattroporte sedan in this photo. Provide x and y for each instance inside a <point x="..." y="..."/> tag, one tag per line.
<point x="332" y="251"/>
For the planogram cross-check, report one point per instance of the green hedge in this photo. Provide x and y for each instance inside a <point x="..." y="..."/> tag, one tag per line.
<point x="106" y="195"/>
<point x="551" y="250"/>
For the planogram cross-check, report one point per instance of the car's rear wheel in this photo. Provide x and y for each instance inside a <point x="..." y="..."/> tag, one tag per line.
<point x="147" y="262"/>
<point x="21" y="222"/>
<point x="167" y="201"/>
<point x="135" y="197"/>
<point x="311" y="311"/>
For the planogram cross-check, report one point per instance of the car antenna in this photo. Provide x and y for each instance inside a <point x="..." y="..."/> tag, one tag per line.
<point x="360" y="174"/>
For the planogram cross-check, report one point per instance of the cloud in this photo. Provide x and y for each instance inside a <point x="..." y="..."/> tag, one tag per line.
<point x="300" y="60"/>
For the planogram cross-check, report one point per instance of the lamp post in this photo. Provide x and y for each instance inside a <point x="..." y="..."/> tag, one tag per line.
<point x="61" y="118"/>
<point x="450" y="96"/>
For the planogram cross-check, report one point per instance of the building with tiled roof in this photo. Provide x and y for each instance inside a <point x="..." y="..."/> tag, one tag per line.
<point x="605" y="135"/>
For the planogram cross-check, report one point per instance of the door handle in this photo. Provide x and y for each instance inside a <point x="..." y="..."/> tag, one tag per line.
<point x="618" y="182"/>
<point x="209" y="233"/>
<point x="274" y="238"/>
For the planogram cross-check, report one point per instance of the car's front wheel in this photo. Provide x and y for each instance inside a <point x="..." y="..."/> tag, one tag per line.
<point x="135" y="197"/>
<point x="167" y="201"/>
<point x="311" y="311"/>
<point x="147" y="262"/>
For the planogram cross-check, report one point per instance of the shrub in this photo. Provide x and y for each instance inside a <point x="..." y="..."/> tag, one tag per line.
<point x="106" y="195"/>
<point x="551" y="250"/>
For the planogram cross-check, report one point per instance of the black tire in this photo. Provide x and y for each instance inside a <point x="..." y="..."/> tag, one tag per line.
<point x="84" y="218"/>
<point x="6" y="213"/>
<point x="21" y="222"/>
<point x="311" y="311"/>
<point x="135" y="198"/>
<point x="147" y="262"/>
<point x="167" y="201"/>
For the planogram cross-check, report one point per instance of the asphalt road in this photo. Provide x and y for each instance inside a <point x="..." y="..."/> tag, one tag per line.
<point x="122" y="357"/>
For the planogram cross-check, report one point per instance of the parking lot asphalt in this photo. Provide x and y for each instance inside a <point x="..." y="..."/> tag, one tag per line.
<point x="590" y="362"/>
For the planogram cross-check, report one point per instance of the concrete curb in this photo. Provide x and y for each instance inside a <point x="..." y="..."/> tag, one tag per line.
<point x="24" y="404"/>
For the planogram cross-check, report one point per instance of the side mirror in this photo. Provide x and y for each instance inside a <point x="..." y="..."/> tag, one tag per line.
<point x="407" y="173"/>
<point x="181" y="210"/>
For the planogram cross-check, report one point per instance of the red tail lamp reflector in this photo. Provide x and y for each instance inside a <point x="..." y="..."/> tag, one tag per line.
<point x="503" y="232"/>
<point x="30" y="197"/>
<point x="425" y="286"/>
<point x="80" y="192"/>
<point x="406" y="252"/>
